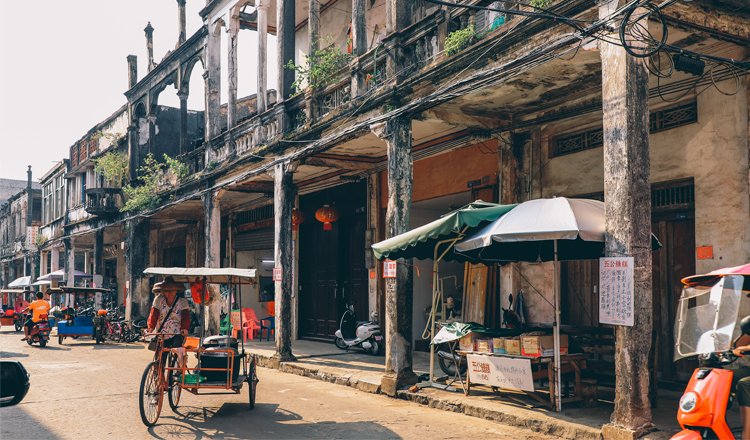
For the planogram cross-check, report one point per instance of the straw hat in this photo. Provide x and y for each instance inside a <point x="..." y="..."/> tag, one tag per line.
<point x="168" y="284"/>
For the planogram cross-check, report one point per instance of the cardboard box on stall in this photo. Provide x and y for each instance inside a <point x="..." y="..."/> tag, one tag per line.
<point x="513" y="346"/>
<point x="468" y="342"/>
<point x="498" y="345"/>
<point x="542" y="345"/>
<point x="484" y="345"/>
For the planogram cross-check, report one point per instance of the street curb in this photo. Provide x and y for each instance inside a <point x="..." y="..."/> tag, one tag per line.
<point x="557" y="428"/>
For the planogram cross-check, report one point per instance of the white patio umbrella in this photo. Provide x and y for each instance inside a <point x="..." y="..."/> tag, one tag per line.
<point x="541" y="230"/>
<point x="20" y="282"/>
<point x="59" y="274"/>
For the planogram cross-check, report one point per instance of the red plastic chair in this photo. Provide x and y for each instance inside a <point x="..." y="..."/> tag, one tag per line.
<point x="250" y="325"/>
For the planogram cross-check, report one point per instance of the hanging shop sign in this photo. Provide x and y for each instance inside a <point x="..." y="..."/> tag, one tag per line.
<point x="389" y="269"/>
<point x="31" y="233"/>
<point x="277" y="274"/>
<point x="616" y="291"/>
<point x="501" y="372"/>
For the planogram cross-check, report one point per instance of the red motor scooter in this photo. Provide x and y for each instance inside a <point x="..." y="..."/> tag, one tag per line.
<point x="709" y="326"/>
<point x="39" y="332"/>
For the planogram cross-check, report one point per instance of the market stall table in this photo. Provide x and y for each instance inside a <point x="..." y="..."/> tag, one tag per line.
<point x="569" y="363"/>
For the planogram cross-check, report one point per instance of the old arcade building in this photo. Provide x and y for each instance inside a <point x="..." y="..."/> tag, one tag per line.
<point x="429" y="107"/>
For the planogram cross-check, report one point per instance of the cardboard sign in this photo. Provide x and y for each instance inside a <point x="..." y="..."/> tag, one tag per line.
<point x="616" y="290"/>
<point x="501" y="372"/>
<point x="277" y="274"/>
<point x="389" y="269"/>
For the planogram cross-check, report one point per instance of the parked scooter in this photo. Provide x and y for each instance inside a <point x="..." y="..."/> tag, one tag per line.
<point x="363" y="334"/>
<point x="707" y="326"/>
<point x="39" y="332"/>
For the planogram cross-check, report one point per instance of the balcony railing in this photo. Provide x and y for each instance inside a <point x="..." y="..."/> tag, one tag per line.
<point x="102" y="201"/>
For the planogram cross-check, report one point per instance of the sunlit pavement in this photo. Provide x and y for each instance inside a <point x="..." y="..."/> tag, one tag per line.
<point x="82" y="390"/>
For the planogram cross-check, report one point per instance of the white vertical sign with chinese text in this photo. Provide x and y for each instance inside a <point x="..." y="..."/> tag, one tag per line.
<point x="501" y="372"/>
<point x="616" y="290"/>
<point x="389" y="269"/>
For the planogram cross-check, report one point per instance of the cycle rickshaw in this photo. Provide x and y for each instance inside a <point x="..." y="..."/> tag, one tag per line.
<point x="218" y="363"/>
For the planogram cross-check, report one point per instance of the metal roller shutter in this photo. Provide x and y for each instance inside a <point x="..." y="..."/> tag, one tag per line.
<point x="260" y="239"/>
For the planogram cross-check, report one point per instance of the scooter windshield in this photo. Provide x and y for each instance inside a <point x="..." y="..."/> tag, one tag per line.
<point x="708" y="316"/>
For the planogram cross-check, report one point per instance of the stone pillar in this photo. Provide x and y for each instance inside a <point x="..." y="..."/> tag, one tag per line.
<point x="150" y="45"/>
<point x="43" y="258"/>
<point x="232" y="37"/>
<point x="139" y="294"/>
<point x="262" y="6"/>
<point x="133" y="152"/>
<point x="152" y="134"/>
<point x="191" y="245"/>
<point x="359" y="46"/>
<point x="627" y="197"/>
<point x="184" y="147"/>
<point x="212" y="82"/>
<point x="132" y="71"/>
<point x="397" y="17"/>
<point x="70" y="262"/>
<point x="283" y="199"/>
<point x="87" y="262"/>
<point x="212" y="237"/>
<point x="284" y="52"/>
<point x="181" y="22"/>
<point x="98" y="266"/>
<point x="32" y="260"/>
<point x="54" y="253"/>
<point x="399" y="295"/>
<point x="373" y="228"/>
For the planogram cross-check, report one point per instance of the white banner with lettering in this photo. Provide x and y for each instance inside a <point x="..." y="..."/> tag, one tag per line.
<point x="501" y="372"/>
<point x="616" y="291"/>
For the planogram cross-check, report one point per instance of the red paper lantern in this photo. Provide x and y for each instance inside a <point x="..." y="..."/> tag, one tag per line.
<point x="327" y="215"/>
<point x="297" y="218"/>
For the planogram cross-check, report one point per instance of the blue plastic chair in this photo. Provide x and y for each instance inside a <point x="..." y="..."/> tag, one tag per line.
<point x="269" y="324"/>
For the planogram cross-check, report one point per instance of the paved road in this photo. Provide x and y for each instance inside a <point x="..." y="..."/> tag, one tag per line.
<point x="81" y="390"/>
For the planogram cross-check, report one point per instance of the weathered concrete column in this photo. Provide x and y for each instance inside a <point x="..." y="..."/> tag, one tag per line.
<point x="150" y="45"/>
<point x="151" y="134"/>
<point x="284" y="47"/>
<point x="139" y="295"/>
<point x="87" y="262"/>
<point x="132" y="71"/>
<point x="191" y="245"/>
<point x="232" y="36"/>
<point x="212" y="82"/>
<point x="181" y="22"/>
<point x="70" y="262"/>
<point x="183" y="122"/>
<point x="373" y="229"/>
<point x="212" y="212"/>
<point x="399" y="295"/>
<point x="133" y="152"/>
<point x="359" y="46"/>
<point x="32" y="260"/>
<point x="627" y="197"/>
<point x="98" y="266"/>
<point x="313" y="27"/>
<point x="397" y="17"/>
<point x="262" y="7"/>
<point x="283" y="200"/>
<point x="55" y="262"/>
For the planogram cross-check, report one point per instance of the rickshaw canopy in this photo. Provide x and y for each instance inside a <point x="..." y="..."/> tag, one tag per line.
<point x="225" y="275"/>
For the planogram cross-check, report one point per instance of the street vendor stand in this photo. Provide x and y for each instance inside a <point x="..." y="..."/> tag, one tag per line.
<point x="543" y="230"/>
<point x="435" y="240"/>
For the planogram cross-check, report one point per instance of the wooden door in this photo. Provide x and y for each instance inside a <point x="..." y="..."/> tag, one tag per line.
<point x="676" y="260"/>
<point x="319" y="308"/>
<point x="354" y="281"/>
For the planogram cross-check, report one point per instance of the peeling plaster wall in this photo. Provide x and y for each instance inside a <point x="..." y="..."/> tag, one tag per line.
<point x="714" y="151"/>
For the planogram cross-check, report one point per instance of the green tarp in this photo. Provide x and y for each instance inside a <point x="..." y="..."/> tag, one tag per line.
<point x="420" y="242"/>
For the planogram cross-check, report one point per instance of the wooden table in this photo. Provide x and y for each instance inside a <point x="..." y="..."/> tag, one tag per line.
<point x="569" y="363"/>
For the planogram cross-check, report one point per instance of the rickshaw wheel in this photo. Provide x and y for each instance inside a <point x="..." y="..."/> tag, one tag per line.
<point x="151" y="395"/>
<point x="253" y="384"/>
<point x="60" y="339"/>
<point x="175" y="390"/>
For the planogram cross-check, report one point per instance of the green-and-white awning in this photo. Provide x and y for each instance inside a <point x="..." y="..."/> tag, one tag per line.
<point x="420" y="242"/>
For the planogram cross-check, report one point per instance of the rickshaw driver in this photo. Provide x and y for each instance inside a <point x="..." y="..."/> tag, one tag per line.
<point x="178" y="320"/>
<point x="39" y="307"/>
